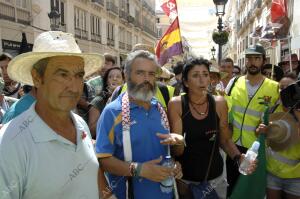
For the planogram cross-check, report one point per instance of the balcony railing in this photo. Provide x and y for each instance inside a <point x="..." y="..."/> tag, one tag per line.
<point x="96" y="37"/>
<point x="81" y="34"/>
<point x="8" y="12"/>
<point x="110" y="42"/>
<point x="123" y="15"/>
<point x="62" y="28"/>
<point x="148" y="7"/>
<point x="129" y="47"/>
<point x="130" y="19"/>
<point x="137" y="24"/>
<point x="101" y="2"/>
<point x="121" y="45"/>
<point x="110" y="6"/>
<point x="148" y="30"/>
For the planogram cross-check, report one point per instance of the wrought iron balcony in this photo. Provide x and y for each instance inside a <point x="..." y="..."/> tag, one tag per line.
<point x="81" y="34"/>
<point x="110" y="42"/>
<point x="123" y="15"/>
<point x="101" y="2"/>
<point x="96" y="38"/>
<point x="110" y="6"/>
<point x="121" y="45"/>
<point x="149" y="31"/>
<point x="129" y="47"/>
<point x="130" y="19"/>
<point x="137" y="24"/>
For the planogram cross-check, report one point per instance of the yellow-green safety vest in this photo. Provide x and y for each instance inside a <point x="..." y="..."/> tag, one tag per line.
<point x="247" y="113"/>
<point x="286" y="163"/>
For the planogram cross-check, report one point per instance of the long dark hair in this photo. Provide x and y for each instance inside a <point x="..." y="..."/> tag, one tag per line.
<point x="189" y="66"/>
<point x="105" y="90"/>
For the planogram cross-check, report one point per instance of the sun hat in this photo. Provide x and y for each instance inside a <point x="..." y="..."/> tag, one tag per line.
<point x="166" y="74"/>
<point x="213" y="68"/>
<point x="146" y="47"/>
<point x="282" y="131"/>
<point x="50" y="44"/>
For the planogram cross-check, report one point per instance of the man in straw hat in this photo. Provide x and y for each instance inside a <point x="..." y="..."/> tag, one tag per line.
<point x="47" y="152"/>
<point x="283" y="152"/>
<point x="216" y="76"/>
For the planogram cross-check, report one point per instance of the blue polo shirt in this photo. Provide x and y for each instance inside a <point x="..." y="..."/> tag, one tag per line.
<point x="18" y="107"/>
<point x="144" y="143"/>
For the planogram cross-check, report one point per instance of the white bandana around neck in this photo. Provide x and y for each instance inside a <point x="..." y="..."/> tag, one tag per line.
<point x="126" y="125"/>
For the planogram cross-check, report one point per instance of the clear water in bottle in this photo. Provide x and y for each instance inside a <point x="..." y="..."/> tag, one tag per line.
<point x="249" y="158"/>
<point x="166" y="185"/>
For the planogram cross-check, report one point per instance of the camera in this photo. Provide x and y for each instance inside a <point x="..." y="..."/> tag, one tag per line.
<point x="290" y="96"/>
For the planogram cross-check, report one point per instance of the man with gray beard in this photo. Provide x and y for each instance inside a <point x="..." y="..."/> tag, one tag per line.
<point x="133" y="135"/>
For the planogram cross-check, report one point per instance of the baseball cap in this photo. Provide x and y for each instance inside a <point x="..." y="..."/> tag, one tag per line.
<point x="255" y="50"/>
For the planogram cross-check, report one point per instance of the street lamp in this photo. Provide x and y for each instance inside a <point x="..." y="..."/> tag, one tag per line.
<point x="54" y="17"/>
<point x="213" y="52"/>
<point x="220" y="12"/>
<point x="220" y="7"/>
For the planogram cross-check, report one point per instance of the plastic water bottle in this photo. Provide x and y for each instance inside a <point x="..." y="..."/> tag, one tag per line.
<point x="166" y="186"/>
<point x="249" y="158"/>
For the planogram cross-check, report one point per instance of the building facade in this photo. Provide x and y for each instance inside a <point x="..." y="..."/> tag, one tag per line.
<point x="253" y="14"/>
<point x="102" y="26"/>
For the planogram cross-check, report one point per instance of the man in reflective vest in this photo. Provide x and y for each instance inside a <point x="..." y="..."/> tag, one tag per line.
<point x="244" y="95"/>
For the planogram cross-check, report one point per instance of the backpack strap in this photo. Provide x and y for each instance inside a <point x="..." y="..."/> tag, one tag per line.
<point x="232" y="85"/>
<point x="165" y="93"/>
<point x="116" y="93"/>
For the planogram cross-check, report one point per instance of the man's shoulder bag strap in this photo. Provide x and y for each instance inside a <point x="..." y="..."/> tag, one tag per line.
<point x="232" y="85"/>
<point x="165" y="93"/>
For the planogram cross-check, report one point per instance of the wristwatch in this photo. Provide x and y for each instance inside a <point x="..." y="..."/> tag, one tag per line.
<point x="135" y="169"/>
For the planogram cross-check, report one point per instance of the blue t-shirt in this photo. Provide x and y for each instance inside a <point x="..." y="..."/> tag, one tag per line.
<point x="144" y="143"/>
<point x="18" y="107"/>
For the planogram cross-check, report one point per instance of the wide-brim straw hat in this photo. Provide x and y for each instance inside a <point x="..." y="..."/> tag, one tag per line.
<point x="166" y="73"/>
<point x="282" y="132"/>
<point x="146" y="47"/>
<point x="213" y="68"/>
<point x="51" y="44"/>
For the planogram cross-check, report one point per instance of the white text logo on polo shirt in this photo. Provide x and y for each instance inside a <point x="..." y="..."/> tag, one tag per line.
<point x="24" y="125"/>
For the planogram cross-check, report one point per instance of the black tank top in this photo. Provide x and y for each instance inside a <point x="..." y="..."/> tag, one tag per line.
<point x="200" y="136"/>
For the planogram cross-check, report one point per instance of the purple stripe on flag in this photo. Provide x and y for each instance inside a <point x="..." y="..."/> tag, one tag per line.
<point x="175" y="49"/>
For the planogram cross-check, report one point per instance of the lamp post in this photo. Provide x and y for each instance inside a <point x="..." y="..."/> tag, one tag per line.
<point x="213" y="52"/>
<point x="220" y="12"/>
<point x="54" y="17"/>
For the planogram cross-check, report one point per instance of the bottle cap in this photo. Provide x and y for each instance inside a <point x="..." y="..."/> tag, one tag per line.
<point x="255" y="146"/>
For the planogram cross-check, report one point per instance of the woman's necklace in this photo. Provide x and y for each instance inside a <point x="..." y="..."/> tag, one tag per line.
<point x="199" y="103"/>
<point x="200" y="113"/>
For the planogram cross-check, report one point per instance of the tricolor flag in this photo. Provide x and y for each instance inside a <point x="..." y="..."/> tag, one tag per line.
<point x="170" y="44"/>
<point x="170" y="8"/>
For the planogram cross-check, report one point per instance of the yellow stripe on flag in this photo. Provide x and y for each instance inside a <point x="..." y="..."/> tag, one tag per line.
<point x="171" y="39"/>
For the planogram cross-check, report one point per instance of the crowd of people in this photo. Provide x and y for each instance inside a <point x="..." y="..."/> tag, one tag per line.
<point x="78" y="125"/>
